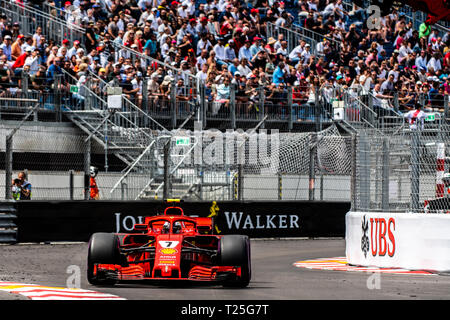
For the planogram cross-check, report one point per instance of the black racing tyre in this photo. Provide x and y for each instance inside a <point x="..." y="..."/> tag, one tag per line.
<point x="103" y="248"/>
<point x="235" y="251"/>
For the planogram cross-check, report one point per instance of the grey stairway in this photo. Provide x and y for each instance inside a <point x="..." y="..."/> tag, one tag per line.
<point x="8" y="227"/>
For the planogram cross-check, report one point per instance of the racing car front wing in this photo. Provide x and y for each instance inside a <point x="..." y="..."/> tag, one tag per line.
<point x="137" y="272"/>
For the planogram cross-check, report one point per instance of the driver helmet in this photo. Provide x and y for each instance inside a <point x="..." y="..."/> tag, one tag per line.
<point x="176" y="227"/>
<point x="166" y="227"/>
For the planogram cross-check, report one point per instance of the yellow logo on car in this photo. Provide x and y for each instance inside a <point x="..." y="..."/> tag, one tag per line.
<point x="168" y="251"/>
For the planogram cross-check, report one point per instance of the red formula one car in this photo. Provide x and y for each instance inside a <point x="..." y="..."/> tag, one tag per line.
<point x="170" y="247"/>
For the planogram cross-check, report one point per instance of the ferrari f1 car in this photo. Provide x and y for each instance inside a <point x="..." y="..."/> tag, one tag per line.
<point x="170" y="247"/>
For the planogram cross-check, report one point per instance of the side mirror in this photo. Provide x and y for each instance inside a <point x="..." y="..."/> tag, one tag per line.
<point x="140" y="227"/>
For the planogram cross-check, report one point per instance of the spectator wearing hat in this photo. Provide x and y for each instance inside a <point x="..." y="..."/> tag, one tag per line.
<point x="64" y="47"/>
<point x="165" y="90"/>
<point x="33" y="61"/>
<point x="16" y="47"/>
<point x="192" y="29"/>
<point x="202" y="27"/>
<point x="73" y="50"/>
<point x="306" y="53"/>
<point x="6" y="47"/>
<point x="20" y="61"/>
<point x="244" y="52"/>
<point x="230" y="52"/>
<point x="256" y="46"/>
<point x="269" y="47"/>
<point x="99" y="13"/>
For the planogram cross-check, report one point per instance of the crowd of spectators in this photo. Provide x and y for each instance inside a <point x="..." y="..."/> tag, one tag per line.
<point x="225" y="44"/>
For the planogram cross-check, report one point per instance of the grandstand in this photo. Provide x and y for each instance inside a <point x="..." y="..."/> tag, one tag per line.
<point x="310" y="71"/>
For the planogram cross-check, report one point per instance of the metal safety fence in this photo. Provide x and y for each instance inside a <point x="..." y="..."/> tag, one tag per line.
<point x="401" y="171"/>
<point x="195" y="165"/>
<point x="377" y="171"/>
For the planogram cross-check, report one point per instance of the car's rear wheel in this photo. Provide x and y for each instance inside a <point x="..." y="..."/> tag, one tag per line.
<point x="103" y="248"/>
<point x="235" y="251"/>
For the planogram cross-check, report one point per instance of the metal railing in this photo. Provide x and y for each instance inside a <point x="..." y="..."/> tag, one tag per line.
<point x="30" y="18"/>
<point x="292" y="36"/>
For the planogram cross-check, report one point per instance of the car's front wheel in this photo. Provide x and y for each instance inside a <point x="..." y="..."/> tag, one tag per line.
<point x="104" y="249"/>
<point x="235" y="251"/>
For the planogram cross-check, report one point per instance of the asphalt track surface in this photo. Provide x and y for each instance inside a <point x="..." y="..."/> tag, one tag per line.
<point x="274" y="275"/>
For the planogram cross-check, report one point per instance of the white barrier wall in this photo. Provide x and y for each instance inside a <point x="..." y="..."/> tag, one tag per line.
<point x="398" y="240"/>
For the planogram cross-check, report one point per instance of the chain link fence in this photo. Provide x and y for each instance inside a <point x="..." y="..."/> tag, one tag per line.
<point x="253" y="165"/>
<point x="401" y="171"/>
<point x="195" y="165"/>
<point x="395" y="171"/>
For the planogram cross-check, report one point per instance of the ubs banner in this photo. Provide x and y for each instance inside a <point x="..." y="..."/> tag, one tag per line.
<point x="40" y="221"/>
<point x="398" y="240"/>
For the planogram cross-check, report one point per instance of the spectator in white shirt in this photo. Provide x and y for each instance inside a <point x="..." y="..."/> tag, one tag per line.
<point x="203" y="73"/>
<point x="203" y="44"/>
<point x="421" y="61"/>
<point x="295" y="54"/>
<point x="219" y="49"/>
<point x="283" y="49"/>
<point x="306" y="54"/>
<point x="201" y="60"/>
<point x="434" y="63"/>
<point x="243" y="67"/>
<point x="33" y="61"/>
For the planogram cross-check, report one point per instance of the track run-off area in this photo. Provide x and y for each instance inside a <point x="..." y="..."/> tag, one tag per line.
<point x="282" y="269"/>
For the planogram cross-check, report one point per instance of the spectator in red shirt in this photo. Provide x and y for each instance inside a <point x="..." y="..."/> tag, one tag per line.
<point x="20" y="61"/>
